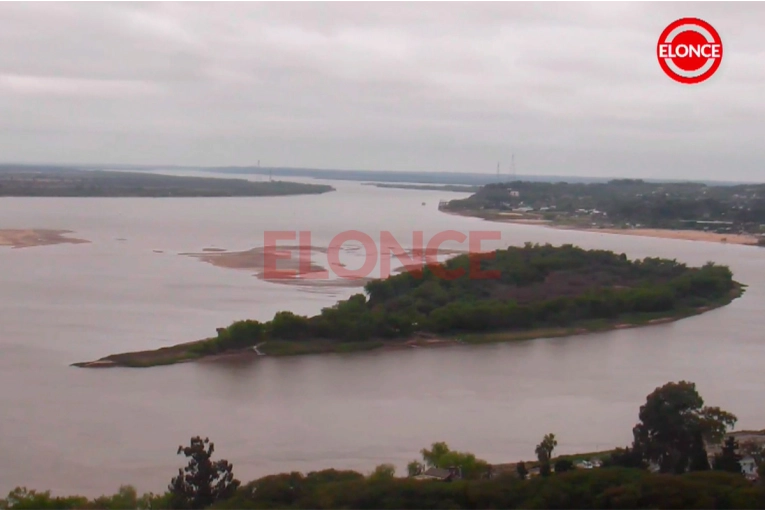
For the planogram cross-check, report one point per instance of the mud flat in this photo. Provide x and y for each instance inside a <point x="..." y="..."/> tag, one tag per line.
<point x="28" y="238"/>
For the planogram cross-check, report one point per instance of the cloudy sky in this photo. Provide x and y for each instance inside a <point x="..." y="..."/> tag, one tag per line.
<point x="571" y="89"/>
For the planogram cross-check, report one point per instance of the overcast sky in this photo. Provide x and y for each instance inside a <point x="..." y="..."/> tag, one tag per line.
<point x="571" y="89"/>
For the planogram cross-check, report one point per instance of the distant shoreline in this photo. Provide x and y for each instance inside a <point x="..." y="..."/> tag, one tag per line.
<point x="31" y="181"/>
<point x="184" y="352"/>
<point x="684" y="235"/>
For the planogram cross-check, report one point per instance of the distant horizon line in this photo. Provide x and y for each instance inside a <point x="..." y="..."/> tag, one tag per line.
<point x="265" y="169"/>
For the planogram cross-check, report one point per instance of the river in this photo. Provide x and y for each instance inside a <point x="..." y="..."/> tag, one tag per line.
<point x="86" y="431"/>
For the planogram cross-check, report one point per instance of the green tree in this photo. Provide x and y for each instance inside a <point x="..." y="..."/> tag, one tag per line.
<point x="545" y="449"/>
<point x="728" y="458"/>
<point x="544" y="452"/>
<point x="383" y="472"/>
<point x="520" y="468"/>
<point x="440" y="456"/>
<point x="202" y="482"/>
<point x="671" y="422"/>
<point x="415" y="468"/>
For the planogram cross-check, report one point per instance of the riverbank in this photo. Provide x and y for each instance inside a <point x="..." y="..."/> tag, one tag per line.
<point x="27" y="238"/>
<point x="685" y="235"/>
<point x="191" y="351"/>
<point x="37" y="181"/>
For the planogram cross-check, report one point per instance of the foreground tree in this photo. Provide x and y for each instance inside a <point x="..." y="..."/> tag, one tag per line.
<point x="625" y="457"/>
<point x="699" y="458"/>
<point x="563" y="465"/>
<point x="202" y="482"/>
<point x="383" y="472"/>
<point x="440" y="456"/>
<point x="520" y="468"/>
<point x="544" y="453"/>
<point x="674" y="423"/>
<point x="728" y="459"/>
<point x="415" y="468"/>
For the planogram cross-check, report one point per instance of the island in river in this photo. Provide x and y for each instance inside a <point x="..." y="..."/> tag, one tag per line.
<point x="517" y="293"/>
<point x="680" y="210"/>
<point x="39" y="181"/>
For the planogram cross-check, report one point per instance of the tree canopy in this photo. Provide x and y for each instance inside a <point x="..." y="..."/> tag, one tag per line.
<point x="673" y="423"/>
<point x="202" y="482"/>
<point x="441" y="456"/>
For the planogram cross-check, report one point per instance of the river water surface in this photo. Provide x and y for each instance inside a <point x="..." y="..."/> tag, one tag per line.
<point x="88" y="431"/>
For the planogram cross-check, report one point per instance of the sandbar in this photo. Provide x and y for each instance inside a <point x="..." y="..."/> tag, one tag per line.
<point x="310" y="275"/>
<point x="28" y="238"/>
<point x="255" y="259"/>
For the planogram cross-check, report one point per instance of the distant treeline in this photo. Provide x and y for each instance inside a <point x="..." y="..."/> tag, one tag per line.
<point x="630" y="201"/>
<point x="330" y="489"/>
<point x="535" y="286"/>
<point x="597" y="488"/>
<point x="455" y="178"/>
<point x="25" y="181"/>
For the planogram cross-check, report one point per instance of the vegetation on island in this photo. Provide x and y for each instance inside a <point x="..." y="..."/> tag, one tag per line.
<point x="666" y="466"/>
<point x="626" y="203"/>
<point x="520" y="292"/>
<point x="31" y="181"/>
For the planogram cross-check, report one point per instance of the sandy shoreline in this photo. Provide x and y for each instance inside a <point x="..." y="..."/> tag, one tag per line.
<point x="28" y="238"/>
<point x="683" y="235"/>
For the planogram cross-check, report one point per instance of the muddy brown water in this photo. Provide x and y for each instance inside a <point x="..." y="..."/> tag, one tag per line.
<point x="87" y="431"/>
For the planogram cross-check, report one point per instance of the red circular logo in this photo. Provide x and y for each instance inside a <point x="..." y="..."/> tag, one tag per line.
<point x="689" y="50"/>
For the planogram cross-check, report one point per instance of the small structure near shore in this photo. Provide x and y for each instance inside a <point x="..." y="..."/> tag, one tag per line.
<point x="444" y="475"/>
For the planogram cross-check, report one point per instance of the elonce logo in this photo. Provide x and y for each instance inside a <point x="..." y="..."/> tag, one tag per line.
<point x="413" y="260"/>
<point x="689" y="50"/>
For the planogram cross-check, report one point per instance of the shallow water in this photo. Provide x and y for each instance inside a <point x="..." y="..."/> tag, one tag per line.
<point x="88" y="431"/>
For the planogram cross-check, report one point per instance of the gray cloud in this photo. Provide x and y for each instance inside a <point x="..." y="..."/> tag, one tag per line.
<point x="570" y="88"/>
